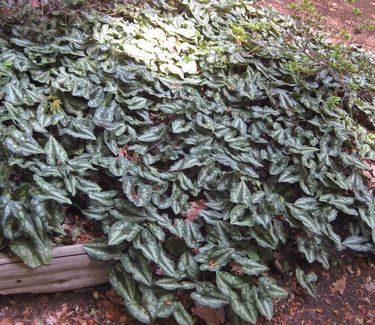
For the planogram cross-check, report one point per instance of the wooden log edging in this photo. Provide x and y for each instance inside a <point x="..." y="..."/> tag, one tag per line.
<point x="71" y="269"/>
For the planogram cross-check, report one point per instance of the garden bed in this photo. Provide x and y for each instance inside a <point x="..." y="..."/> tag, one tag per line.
<point x="202" y="138"/>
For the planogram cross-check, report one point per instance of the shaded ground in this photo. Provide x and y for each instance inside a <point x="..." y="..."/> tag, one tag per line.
<point x="346" y="293"/>
<point x="85" y="307"/>
<point x="338" y="15"/>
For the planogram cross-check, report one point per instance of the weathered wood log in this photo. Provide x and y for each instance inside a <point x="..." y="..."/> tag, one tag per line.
<point x="71" y="269"/>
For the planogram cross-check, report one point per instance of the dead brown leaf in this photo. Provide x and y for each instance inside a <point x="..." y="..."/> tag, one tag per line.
<point x="109" y="314"/>
<point x="349" y="268"/>
<point x="370" y="174"/>
<point x="26" y="312"/>
<point x="370" y="287"/>
<point x="209" y="315"/>
<point x="340" y="284"/>
<point x="236" y="268"/>
<point x="6" y="321"/>
<point x="123" y="152"/>
<point x="194" y="209"/>
<point x="35" y="3"/>
<point x="114" y="297"/>
<point x="212" y="262"/>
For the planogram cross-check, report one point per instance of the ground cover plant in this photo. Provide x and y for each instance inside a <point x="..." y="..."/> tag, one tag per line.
<point x="203" y="136"/>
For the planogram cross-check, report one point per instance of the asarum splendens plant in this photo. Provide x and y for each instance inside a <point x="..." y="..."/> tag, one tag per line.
<point x="202" y="139"/>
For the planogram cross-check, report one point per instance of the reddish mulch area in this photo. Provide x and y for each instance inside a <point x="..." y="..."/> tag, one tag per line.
<point x="345" y="295"/>
<point x="338" y="15"/>
<point x="83" y="307"/>
<point x="78" y="230"/>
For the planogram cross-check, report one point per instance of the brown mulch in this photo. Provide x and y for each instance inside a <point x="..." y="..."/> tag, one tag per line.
<point x="337" y="16"/>
<point x="345" y="295"/>
<point x="85" y="307"/>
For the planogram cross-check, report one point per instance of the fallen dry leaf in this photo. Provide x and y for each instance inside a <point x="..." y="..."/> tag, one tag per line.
<point x="370" y="174"/>
<point x="6" y="321"/>
<point x="209" y="315"/>
<point x="35" y="3"/>
<point x="194" y="209"/>
<point x="212" y="262"/>
<point x="339" y="285"/>
<point x="109" y="315"/>
<point x="52" y="320"/>
<point x="366" y="300"/>
<point x="370" y="287"/>
<point x="236" y="268"/>
<point x="114" y="297"/>
<point x="123" y="152"/>
<point x="349" y="268"/>
<point x="26" y="312"/>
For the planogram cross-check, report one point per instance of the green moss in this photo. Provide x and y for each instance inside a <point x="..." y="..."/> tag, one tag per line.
<point x="239" y="32"/>
<point x="298" y="68"/>
<point x="357" y="11"/>
<point x="306" y="6"/>
<point x="259" y="25"/>
<point x="242" y="30"/>
<point x="54" y="103"/>
<point x="333" y="101"/>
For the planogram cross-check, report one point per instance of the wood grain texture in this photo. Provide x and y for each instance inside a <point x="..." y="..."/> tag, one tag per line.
<point x="71" y="268"/>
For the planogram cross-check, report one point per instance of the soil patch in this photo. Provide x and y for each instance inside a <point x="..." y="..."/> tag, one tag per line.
<point x="338" y="15"/>
<point x="84" y="307"/>
<point x="345" y="295"/>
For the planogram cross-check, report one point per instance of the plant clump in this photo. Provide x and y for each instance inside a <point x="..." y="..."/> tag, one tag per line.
<point x="199" y="135"/>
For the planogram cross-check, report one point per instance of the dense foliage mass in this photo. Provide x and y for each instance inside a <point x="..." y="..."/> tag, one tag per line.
<point x="200" y="135"/>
